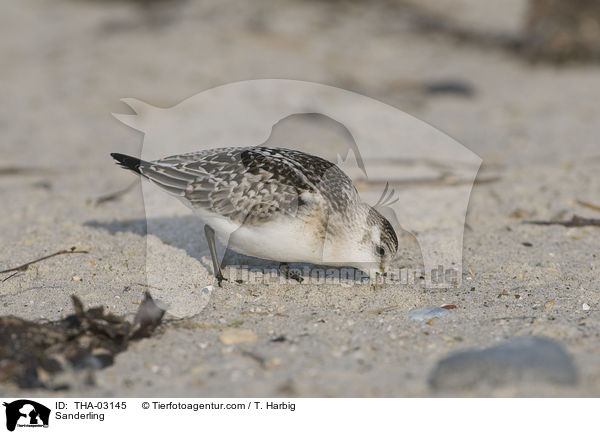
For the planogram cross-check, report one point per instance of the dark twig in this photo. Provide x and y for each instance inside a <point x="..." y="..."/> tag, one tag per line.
<point x="575" y="222"/>
<point x="588" y="205"/>
<point x="10" y="275"/>
<point x="25" y="266"/>
<point x="258" y="359"/>
<point x="114" y="196"/>
<point x="10" y="171"/>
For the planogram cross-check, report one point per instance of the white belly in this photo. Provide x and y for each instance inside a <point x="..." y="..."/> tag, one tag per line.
<point x="278" y="241"/>
<point x="284" y="239"/>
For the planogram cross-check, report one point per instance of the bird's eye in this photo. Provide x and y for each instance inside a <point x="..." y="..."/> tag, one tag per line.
<point x="379" y="250"/>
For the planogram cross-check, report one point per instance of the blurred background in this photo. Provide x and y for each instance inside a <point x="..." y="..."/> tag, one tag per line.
<point x="515" y="81"/>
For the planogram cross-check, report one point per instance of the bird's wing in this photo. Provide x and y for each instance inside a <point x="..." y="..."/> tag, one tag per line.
<point x="248" y="185"/>
<point x="306" y="173"/>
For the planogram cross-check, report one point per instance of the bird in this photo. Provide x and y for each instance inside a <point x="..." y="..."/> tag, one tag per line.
<point x="275" y="203"/>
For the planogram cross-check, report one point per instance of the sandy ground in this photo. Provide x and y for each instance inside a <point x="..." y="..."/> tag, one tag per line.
<point x="66" y="64"/>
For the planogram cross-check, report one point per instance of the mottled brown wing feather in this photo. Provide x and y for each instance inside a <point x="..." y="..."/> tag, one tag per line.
<point x="251" y="185"/>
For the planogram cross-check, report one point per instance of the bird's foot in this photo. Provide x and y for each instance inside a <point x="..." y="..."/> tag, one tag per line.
<point x="220" y="279"/>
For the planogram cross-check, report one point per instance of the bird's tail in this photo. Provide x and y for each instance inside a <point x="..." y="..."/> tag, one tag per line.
<point x="128" y="162"/>
<point x="168" y="178"/>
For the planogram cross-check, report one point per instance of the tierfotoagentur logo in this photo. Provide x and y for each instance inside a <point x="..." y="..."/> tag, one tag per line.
<point x="262" y="189"/>
<point x="25" y="413"/>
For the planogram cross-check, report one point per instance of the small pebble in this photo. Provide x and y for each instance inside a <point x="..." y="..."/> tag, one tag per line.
<point x="523" y="359"/>
<point x="585" y="306"/>
<point x="237" y="336"/>
<point x="427" y="313"/>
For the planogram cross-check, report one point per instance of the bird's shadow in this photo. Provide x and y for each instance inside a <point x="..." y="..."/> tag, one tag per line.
<point x="187" y="233"/>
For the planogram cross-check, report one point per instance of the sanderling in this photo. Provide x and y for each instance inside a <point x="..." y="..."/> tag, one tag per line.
<point x="276" y="204"/>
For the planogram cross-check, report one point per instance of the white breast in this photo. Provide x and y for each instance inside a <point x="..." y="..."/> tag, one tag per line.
<point x="284" y="239"/>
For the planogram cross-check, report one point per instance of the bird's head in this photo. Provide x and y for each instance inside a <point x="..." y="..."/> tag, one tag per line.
<point x="368" y="242"/>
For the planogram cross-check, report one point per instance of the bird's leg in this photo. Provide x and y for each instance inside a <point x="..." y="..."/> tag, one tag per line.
<point x="210" y="237"/>
<point x="290" y="274"/>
